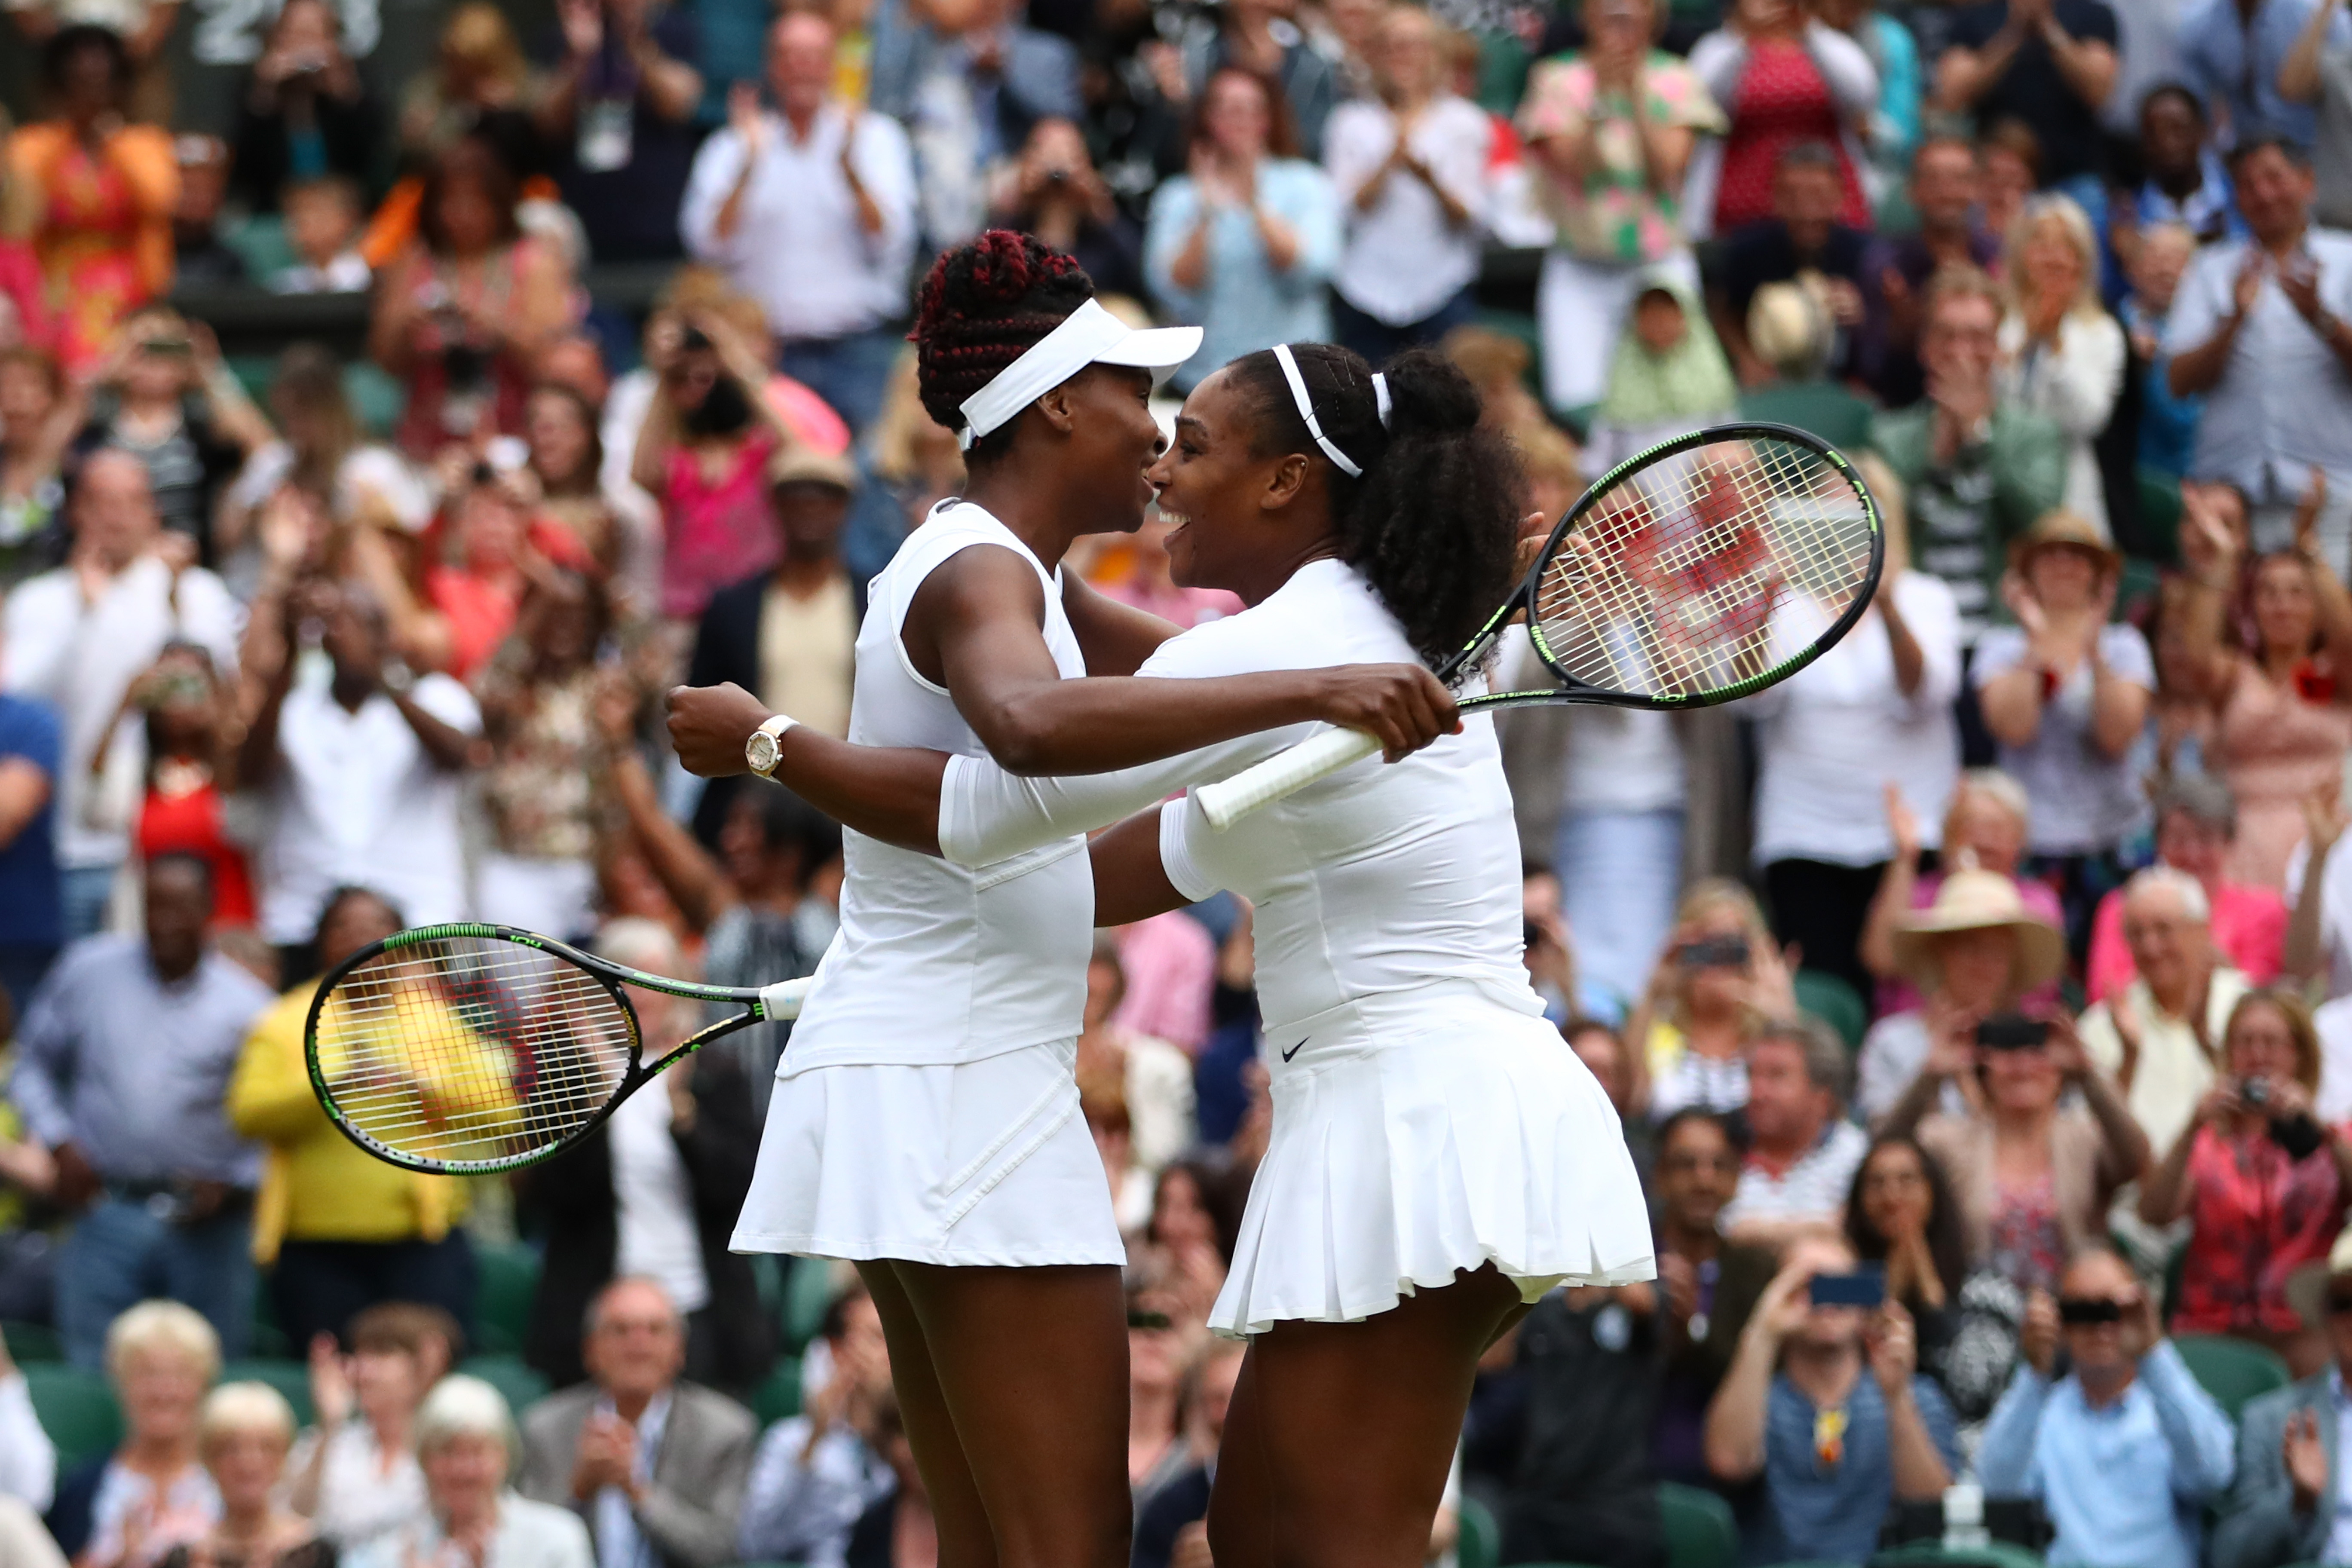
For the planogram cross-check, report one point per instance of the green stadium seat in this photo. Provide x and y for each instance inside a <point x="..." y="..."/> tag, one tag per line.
<point x="1699" y="1530"/>
<point x="1934" y="1554"/>
<point x="30" y="1342"/>
<point x="506" y="1280"/>
<point x="290" y="1378"/>
<point x="2160" y="517"/>
<point x="522" y="1385"/>
<point x="2232" y="1371"/>
<point x="1481" y="1545"/>
<point x="259" y="242"/>
<point x="76" y="1409"/>
<point x="809" y="1289"/>
<point x="779" y="1393"/>
<point x="1834" y="1003"/>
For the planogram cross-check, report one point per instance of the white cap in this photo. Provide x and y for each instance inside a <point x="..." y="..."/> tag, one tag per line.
<point x="1088" y="335"/>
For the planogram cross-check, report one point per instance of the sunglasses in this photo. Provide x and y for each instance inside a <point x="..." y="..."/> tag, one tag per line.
<point x="1142" y="1317"/>
<point x="2085" y="1312"/>
<point x="2339" y="1302"/>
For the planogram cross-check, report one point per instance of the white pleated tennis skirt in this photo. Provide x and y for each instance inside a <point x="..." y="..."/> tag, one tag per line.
<point x="983" y="1163"/>
<point x="1421" y="1132"/>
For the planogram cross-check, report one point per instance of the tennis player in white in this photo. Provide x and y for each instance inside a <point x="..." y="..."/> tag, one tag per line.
<point x="1439" y="1158"/>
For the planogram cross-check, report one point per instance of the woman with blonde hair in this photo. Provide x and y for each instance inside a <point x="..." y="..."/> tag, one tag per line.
<point x="244" y="1432"/>
<point x="480" y="84"/>
<point x="1720" y="980"/>
<point x="467" y="1446"/>
<point x="2061" y="355"/>
<point x="153" y="1493"/>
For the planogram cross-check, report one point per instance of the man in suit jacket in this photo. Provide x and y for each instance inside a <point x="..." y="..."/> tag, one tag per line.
<point x="2289" y="1504"/>
<point x="656" y="1467"/>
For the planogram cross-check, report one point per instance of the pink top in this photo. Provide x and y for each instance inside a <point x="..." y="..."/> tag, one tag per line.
<point x="2255" y="1217"/>
<point x="20" y="280"/>
<point x="2274" y="749"/>
<point x="714" y="532"/>
<point x="1186" y="607"/>
<point x="2249" y="926"/>
<point x="1171" y="963"/>
<point x="809" y="417"/>
<point x="1899" y="995"/>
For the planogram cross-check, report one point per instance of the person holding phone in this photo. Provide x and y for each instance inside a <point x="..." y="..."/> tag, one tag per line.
<point x="2124" y="1448"/>
<point x="1719" y="979"/>
<point x="1825" y="1404"/>
<point x="2262" y="1183"/>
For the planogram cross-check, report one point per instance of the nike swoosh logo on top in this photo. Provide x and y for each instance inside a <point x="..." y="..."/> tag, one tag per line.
<point x="1294" y="1050"/>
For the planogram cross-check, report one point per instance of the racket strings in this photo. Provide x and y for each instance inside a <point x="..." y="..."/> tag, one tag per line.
<point x="470" y="1050"/>
<point x="1674" y="584"/>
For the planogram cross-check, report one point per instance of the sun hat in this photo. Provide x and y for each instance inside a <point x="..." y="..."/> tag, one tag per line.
<point x="2307" y="1288"/>
<point x="801" y="463"/>
<point x="1978" y="901"/>
<point x="2062" y="527"/>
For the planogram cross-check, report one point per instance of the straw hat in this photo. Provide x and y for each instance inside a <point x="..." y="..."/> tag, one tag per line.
<point x="802" y="464"/>
<point x="2307" y="1288"/>
<point x="1978" y="901"/>
<point x="2063" y="527"/>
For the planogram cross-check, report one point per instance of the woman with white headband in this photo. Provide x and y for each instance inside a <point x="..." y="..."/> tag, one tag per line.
<point x="924" y="1123"/>
<point x="1437" y="1159"/>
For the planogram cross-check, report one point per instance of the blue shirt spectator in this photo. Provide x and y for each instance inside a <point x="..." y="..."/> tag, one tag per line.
<point x="2231" y="54"/>
<point x="2123" y="1451"/>
<point x="2292" y="1500"/>
<point x="32" y="915"/>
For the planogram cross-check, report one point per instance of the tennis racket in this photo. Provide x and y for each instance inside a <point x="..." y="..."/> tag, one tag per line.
<point x="1704" y="569"/>
<point x="465" y="1049"/>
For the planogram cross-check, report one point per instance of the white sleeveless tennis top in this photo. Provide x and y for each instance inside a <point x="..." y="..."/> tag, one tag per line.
<point x="937" y="963"/>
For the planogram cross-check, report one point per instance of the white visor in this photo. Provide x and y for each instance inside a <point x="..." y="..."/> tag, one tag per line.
<point x="1090" y="336"/>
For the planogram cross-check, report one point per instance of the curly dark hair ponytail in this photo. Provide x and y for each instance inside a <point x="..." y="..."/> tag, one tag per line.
<point x="983" y="306"/>
<point x="1433" y="521"/>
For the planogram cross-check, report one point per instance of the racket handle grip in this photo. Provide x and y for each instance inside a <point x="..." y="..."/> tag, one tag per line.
<point x="782" y="1000"/>
<point x="1227" y="801"/>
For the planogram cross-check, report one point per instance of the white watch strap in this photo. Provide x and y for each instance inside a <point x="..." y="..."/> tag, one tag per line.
<point x="774" y="727"/>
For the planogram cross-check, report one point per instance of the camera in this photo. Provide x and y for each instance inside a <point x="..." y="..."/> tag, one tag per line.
<point x="694" y="340"/>
<point x="1714" y="952"/>
<point x="2013" y="1031"/>
<point x="2255" y="1091"/>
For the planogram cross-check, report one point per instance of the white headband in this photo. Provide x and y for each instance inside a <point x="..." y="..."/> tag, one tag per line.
<point x="1340" y="460"/>
<point x="1088" y="335"/>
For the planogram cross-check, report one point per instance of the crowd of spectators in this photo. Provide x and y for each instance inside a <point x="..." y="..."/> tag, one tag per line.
<point x="1977" y="1004"/>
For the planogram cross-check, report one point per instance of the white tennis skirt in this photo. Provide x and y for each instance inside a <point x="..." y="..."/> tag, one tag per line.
<point x="1421" y="1132"/>
<point x="973" y="1164"/>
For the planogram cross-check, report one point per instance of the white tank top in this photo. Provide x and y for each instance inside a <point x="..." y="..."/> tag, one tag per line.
<point x="934" y="962"/>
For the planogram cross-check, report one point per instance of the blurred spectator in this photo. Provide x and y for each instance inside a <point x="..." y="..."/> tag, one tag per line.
<point x="322" y="226"/>
<point x="1802" y="235"/>
<point x="166" y="398"/>
<point x="2160" y="1026"/>
<point x="124" y="1063"/>
<point x="28" y="1460"/>
<point x="2185" y="180"/>
<point x="1803" y="1152"/>
<point x="2314" y="72"/>
<point x="2126" y="1449"/>
<point x="467" y="1445"/>
<point x="78" y="635"/>
<point x="1609" y="171"/>
<point x="2061" y="354"/>
<point x="1244" y="242"/>
<point x="2263" y="1184"/>
<point x="25" y="312"/>
<point x="1155" y="1076"/>
<point x="2061" y="1155"/>
<point x="1156" y="1350"/>
<point x="898" y="1527"/>
<point x="811" y="211"/>
<point x="38" y="415"/>
<point x="1150" y="583"/>
<point x="620" y="106"/>
<point x="1668" y="376"/>
<point x="1050" y="188"/>
<point x="190" y="718"/>
<point x="201" y="257"/>
<point x="97" y="194"/>
<point x="361" y="759"/>
<point x="1871" y="715"/>
<point x="491" y="555"/>
<point x="1708" y="1284"/>
<point x="653" y="1466"/>
<point x="813" y="1475"/>
<point x="1825" y="1405"/>
<point x="2257" y="327"/>
<point x="652" y="1195"/>
<point x="1987" y="821"/>
<point x="1786" y="80"/>
<point x="2196" y="821"/>
<point x="463" y="311"/>
<point x="1411" y="166"/>
<point x="1717" y="981"/>
<point x="305" y="115"/>
<point x="1262" y="38"/>
<point x="1170" y="960"/>
<point x="2009" y="170"/>
<point x="479" y="86"/>
<point x="1975" y="952"/>
<point x="537" y="871"/>
<point x="2231" y="53"/>
<point x="355" y="1474"/>
<point x="567" y="460"/>
<point x="1943" y="192"/>
<point x="1977" y="472"/>
<point x="32" y="911"/>
<point x="1900" y="1216"/>
<point x="125" y="1509"/>
<point x="970" y="92"/>
<point x="2048" y="64"/>
<point x="1890" y="130"/>
<point x="2065" y="694"/>
<point x="2168" y="423"/>
<point x="1164" y="1530"/>
<point x="244" y="1433"/>
<point x="2288" y="1501"/>
<point x="342" y="1231"/>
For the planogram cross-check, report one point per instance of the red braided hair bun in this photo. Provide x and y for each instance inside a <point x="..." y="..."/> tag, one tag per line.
<point x="983" y="306"/>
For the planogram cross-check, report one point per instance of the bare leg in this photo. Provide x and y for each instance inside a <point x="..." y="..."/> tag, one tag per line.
<point x="1030" y="1365"/>
<point x="965" y="1540"/>
<point x="1340" y="1435"/>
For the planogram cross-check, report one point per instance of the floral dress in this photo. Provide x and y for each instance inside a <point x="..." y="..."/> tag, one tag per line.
<point x="1616" y="216"/>
<point x="104" y="237"/>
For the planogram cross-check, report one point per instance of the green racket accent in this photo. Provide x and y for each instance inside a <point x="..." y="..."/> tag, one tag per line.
<point x="469" y="1048"/>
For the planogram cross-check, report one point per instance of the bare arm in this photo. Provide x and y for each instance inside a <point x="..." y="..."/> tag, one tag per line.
<point x="1116" y="639"/>
<point x="2087" y="65"/>
<point x="2011" y="702"/>
<point x="2119" y="708"/>
<point x="1734" y="1434"/>
<point x="24" y="790"/>
<point x="1131" y="879"/>
<point x="684" y="868"/>
<point x="887" y="793"/>
<point x="2298" y="77"/>
<point x="656" y="437"/>
<point x="1919" y="1472"/>
<point x="2164" y="1196"/>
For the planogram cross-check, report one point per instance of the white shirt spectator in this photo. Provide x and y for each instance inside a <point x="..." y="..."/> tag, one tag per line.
<point x="2073" y="386"/>
<point x="28" y="1460"/>
<point x="1403" y="260"/>
<point x="655" y="1234"/>
<point x="797" y="246"/>
<point x="2084" y="800"/>
<point x="803" y="1500"/>
<point x="358" y="800"/>
<point x="1835" y="734"/>
<point x="528" y="1535"/>
<point x="82" y="656"/>
<point x="2333" y="1020"/>
<point x="2335" y="912"/>
<point x="1812" y="1188"/>
<point x="2175" y="1067"/>
<point x="361" y="1497"/>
